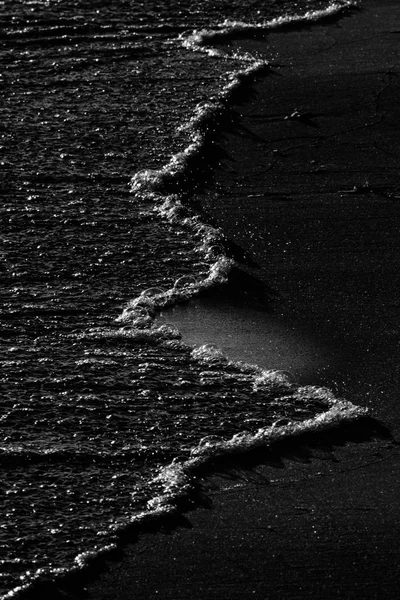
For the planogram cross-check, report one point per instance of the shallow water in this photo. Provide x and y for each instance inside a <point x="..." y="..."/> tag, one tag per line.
<point x="255" y="335"/>
<point x="95" y="398"/>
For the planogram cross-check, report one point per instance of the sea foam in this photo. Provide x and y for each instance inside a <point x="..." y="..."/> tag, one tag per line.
<point x="203" y="40"/>
<point x="161" y="190"/>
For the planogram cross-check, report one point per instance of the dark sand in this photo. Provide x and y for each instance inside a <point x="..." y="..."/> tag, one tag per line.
<point x="315" y="199"/>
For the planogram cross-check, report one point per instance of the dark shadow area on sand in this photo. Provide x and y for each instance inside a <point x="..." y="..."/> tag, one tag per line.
<point x="255" y="474"/>
<point x="303" y="519"/>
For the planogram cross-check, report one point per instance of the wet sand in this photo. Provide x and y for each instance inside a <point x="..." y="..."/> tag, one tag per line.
<point x="254" y="335"/>
<point x="310" y="187"/>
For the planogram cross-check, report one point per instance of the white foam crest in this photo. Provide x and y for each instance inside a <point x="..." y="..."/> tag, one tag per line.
<point x="184" y="289"/>
<point x="340" y="412"/>
<point x="172" y="209"/>
<point x="150" y="186"/>
<point x="310" y="16"/>
<point x="176" y="480"/>
<point x="138" y="316"/>
<point x="204" y="116"/>
<point x="266" y="377"/>
<point x="202" y="40"/>
<point x="153" y="180"/>
<point x="209" y="353"/>
<point x="85" y="558"/>
<point x="56" y="575"/>
<point x="210" y="239"/>
<point x="176" y="483"/>
<point x="219" y="272"/>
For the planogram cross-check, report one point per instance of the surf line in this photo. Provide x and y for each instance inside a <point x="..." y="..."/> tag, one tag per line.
<point x="161" y="189"/>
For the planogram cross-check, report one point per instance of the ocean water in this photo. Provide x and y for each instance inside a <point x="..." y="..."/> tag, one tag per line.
<point x="109" y="112"/>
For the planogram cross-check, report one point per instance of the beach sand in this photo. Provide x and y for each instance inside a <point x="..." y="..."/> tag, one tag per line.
<point x="309" y="186"/>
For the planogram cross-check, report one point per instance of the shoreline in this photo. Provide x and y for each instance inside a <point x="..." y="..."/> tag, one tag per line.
<point x="254" y="335"/>
<point x="318" y="197"/>
<point x="324" y="524"/>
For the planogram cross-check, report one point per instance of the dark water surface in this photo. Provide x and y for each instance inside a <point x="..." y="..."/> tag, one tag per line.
<point x="92" y="94"/>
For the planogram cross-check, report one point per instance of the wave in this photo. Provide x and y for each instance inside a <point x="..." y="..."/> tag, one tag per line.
<point x="176" y="486"/>
<point x="177" y="490"/>
<point x="163" y="188"/>
<point x="162" y="191"/>
<point x="201" y="40"/>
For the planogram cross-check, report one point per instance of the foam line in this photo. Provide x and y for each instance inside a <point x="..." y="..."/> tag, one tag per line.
<point x="155" y="186"/>
<point x="175" y="482"/>
<point x="201" y="41"/>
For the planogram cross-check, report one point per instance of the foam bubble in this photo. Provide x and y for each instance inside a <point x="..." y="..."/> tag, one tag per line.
<point x="153" y="291"/>
<point x="265" y="378"/>
<point x="138" y="316"/>
<point x="338" y="413"/>
<point x="184" y="288"/>
<point x="209" y="353"/>
<point x="186" y="282"/>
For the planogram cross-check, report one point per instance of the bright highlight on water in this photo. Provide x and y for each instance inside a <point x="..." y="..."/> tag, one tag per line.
<point x="107" y="415"/>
